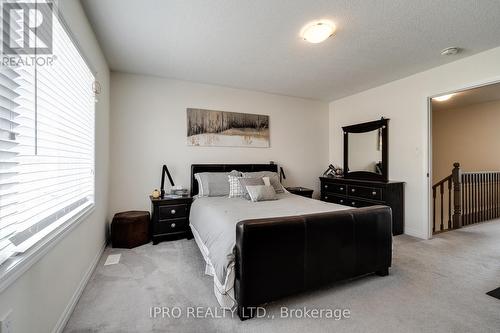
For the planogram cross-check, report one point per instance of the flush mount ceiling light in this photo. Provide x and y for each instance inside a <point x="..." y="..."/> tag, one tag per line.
<point x="450" y="51"/>
<point x="443" y="98"/>
<point x="318" y="31"/>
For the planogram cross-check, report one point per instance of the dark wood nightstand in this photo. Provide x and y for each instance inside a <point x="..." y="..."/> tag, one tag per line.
<point x="170" y="218"/>
<point x="302" y="191"/>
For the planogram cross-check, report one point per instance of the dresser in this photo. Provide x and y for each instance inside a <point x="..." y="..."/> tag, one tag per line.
<point x="170" y="218"/>
<point x="363" y="193"/>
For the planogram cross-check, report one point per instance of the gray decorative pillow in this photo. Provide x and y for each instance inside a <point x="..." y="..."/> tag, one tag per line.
<point x="273" y="177"/>
<point x="214" y="184"/>
<point x="249" y="182"/>
<point x="261" y="193"/>
<point x="235" y="188"/>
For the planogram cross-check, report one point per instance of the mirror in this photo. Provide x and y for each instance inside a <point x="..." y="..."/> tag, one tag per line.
<point x="365" y="150"/>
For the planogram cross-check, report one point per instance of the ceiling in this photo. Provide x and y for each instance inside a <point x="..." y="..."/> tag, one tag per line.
<point x="255" y="44"/>
<point x="484" y="94"/>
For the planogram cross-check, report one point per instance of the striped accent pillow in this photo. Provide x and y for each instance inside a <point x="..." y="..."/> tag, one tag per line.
<point x="235" y="188"/>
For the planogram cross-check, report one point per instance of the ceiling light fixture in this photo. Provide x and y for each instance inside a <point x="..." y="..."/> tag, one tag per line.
<point x="318" y="31"/>
<point x="450" y="51"/>
<point x="443" y="98"/>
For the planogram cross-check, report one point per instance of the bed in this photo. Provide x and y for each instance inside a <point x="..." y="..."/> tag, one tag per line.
<point x="258" y="252"/>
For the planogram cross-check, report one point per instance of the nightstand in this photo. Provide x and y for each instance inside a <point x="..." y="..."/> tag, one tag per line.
<point x="170" y="218"/>
<point x="302" y="191"/>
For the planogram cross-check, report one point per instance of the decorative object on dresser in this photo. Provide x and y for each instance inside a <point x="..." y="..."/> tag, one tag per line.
<point x="363" y="193"/>
<point x="333" y="171"/>
<point x="302" y="191"/>
<point x="170" y="218"/>
<point x="130" y="229"/>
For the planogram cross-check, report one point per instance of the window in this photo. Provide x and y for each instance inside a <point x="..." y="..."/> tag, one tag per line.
<point x="46" y="141"/>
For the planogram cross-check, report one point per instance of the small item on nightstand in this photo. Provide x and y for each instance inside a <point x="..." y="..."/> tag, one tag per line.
<point x="155" y="194"/>
<point x="179" y="191"/>
<point x="302" y="191"/>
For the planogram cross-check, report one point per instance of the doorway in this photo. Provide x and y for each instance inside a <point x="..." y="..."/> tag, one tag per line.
<point x="465" y="155"/>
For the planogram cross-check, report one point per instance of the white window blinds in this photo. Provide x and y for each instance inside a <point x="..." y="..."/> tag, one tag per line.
<point x="46" y="144"/>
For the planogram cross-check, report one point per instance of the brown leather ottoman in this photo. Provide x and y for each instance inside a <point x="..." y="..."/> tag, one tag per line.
<point x="130" y="229"/>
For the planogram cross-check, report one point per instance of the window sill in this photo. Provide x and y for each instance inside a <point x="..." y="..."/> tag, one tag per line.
<point x="16" y="266"/>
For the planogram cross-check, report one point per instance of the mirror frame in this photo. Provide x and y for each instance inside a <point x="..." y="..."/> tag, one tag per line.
<point x="362" y="128"/>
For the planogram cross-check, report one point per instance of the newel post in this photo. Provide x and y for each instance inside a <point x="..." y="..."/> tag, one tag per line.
<point x="456" y="175"/>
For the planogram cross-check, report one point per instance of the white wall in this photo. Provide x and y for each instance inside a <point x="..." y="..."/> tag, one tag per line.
<point x="40" y="297"/>
<point x="148" y="129"/>
<point x="405" y="103"/>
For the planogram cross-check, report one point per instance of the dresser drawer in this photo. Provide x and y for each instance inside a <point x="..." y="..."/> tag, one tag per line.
<point x="172" y="211"/>
<point x="171" y="225"/>
<point x="335" y="188"/>
<point x="372" y="193"/>
<point x="335" y="199"/>
<point x="359" y="203"/>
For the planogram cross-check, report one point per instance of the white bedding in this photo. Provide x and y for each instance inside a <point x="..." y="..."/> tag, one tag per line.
<point x="213" y="222"/>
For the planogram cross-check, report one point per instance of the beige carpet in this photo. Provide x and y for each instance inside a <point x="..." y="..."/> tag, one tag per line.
<point x="434" y="286"/>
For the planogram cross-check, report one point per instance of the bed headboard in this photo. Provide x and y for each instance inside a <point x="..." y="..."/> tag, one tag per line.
<point x="195" y="168"/>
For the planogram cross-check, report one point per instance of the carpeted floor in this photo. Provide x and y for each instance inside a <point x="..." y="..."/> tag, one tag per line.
<point x="437" y="285"/>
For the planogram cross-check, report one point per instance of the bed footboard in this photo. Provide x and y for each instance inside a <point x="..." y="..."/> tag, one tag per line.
<point x="277" y="257"/>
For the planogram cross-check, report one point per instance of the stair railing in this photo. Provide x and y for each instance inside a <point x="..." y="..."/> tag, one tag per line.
<point x="475" y="197"/>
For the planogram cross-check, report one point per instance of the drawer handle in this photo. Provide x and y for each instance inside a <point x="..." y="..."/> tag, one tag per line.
<point x="173" y="212"/>
<point x="353" y="203"/>
<point x="172" y="225"/>
<point x="374" y="193"/>
<point x="326" y="198"/>
<point x="353" y="190"/>
<point x="341" y="188"/>
<point x="341" y="201"/>
<point x="326" y="186"/>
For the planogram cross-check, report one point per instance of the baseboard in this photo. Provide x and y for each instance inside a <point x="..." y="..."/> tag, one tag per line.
<point x="415" y="233"/>
<point x="61" y="323"/>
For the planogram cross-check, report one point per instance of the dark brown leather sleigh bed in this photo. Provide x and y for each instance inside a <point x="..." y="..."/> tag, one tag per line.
<point x="281" y="256"/>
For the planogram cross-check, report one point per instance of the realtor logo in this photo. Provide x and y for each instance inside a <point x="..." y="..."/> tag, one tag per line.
<point x="27" y="28"/>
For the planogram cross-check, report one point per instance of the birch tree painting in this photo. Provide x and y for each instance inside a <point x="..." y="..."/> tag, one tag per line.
<point x="226" y="129"/>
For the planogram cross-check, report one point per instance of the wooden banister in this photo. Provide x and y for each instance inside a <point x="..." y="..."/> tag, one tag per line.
<point x="442" y="181"/>
<point x="457" y="195"/>
<point x="475" y="197"/>
<point x="441" y="186"/>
